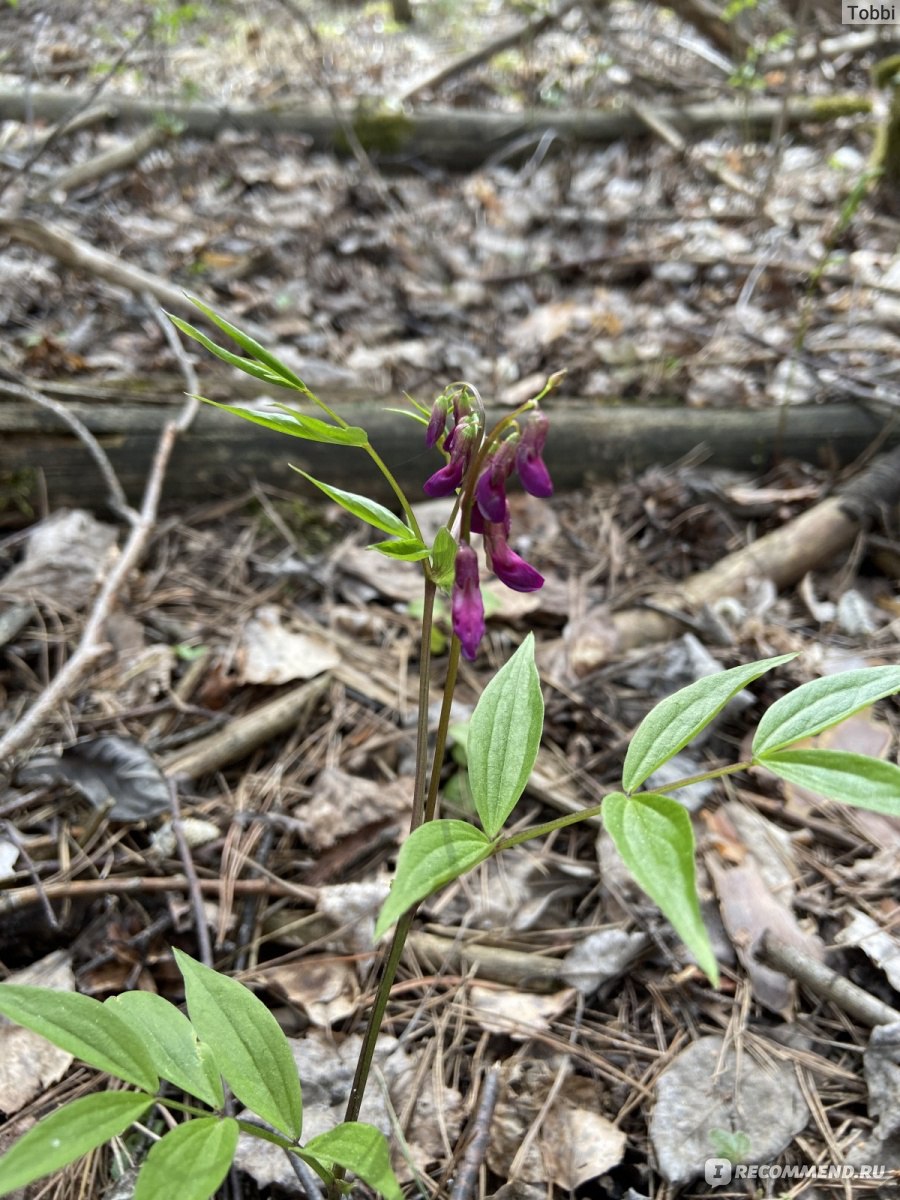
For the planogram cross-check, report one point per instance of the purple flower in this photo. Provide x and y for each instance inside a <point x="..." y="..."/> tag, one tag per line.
<point x="530" y="465"/>
<point x="460" y="443"/>
<point x="467" y="606"/>
<point x="490" y="491"/>
<point x="509" y="568"/>
<point x="438" y="421"/>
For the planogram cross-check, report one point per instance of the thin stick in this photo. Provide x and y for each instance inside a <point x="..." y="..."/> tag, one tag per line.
<point x="821" y="980"/>
<point x="467" y="1175"/>
<point x="190" y="873"/>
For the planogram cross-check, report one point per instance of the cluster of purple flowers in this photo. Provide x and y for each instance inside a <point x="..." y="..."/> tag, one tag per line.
<point x="520" y="450"/>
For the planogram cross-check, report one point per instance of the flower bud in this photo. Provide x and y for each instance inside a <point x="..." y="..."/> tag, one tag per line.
<point x="530" y="465"/>
<point x="461" y="444"/>
<point x="438" y="421"/>
<point x="490" y="491"/>
<point x="467" y="606"/>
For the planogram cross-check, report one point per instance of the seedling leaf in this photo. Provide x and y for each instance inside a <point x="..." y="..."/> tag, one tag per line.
<point x="171" y="1042"/>
<point x="68" y="1133"/>
<point x="247" y="1044"/>
<point x="431" y="856"/>
<point x="359" y="1148"/>
<point x="504" y="736"/>
<point x="821" y="703"/>
<point x="195" y="1156"/>
<point x="653" y="834"/>
<point x="678" y="718"/>
<point x="365" y="509"/>
<point x="84" y="1027"/>
<point x="840" y="775"/>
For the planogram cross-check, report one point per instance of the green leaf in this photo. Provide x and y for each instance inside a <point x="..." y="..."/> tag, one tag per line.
<point x="276" y="367"/>
<point x="404" y="549"/>
<point x="247" y="365"/>
<point x="247" y="1044"/>
<point x="359" y="1148"/>
<point x="84" y="1027"/>
<point x="821" y="703"/>
<point x="504" y="736"/>
<point x="653" y="834"/>
<point x="840" y="775"/>
<point x="678" y="718"/>
<point x="443" y="557"/>
<point x="190" y="1162"/>
<point x="171" y="1042"/>
<point x="68" y="1133"/>
<point x="295" y="424"/>
<point x="431" y="856"/>
<point x="366" y="510"/>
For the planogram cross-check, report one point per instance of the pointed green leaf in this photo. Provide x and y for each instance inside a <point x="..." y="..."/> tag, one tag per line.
<point x="171" y="1042"/>
<point x="247" y="1043"/>
<point x="190" y="1162"/>
<point x="247" y="365"/>
<point x="678" y="718"/>
<point x="362" y="507"/>
<point x="298" y="425"/>
<point x="66" y="1134"/>
<point x="653" y="834"/>
<point x="840" y="775"/>
<point x="431" y="856"/>
<point x="359" y="1148"/>
<point x="821" y="703"/>
<point x="84" y="1027"/>
<point x="443" y="557"/>
<point x="256" y="351"/>
<point x="403" y="549"/>
<point x="504" y="736"/>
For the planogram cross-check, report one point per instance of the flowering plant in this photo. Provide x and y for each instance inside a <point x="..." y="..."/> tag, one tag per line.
<point x="229" y="1034"/>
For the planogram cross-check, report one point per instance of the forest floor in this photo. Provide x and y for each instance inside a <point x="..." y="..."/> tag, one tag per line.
<point x="259" y="657"/>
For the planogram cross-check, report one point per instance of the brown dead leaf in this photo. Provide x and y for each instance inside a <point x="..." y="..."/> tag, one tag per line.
<point x="28" y="1062"/>
<point x="517" y="1015"/>
<point x="344" y="803"/>
<point x="272" y="653"/>
<point x="325" y="988"/>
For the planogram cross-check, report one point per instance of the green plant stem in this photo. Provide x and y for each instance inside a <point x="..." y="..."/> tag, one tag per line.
<point x="418" y="810"/>
<point x="440" y="737"/>
<point x="395" y="488"/>
<point x="703" y="776"/>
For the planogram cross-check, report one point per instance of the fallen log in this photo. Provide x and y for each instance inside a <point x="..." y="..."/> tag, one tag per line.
<point x="220" y="454"/>
<point x="457" y="138"/>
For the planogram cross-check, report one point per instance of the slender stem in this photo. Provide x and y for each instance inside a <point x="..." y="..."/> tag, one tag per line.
<point x="440" y="740"/>
<point x="533" y="831"/>
<point x="704" y="775"/>
<point x="395" y="488"/>
<point x="418" y="810"/>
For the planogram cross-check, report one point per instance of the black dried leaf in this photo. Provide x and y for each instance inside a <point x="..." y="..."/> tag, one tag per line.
<point x="106" y="767"/>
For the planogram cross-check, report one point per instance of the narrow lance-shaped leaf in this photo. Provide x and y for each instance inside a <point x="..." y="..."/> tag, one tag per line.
<point x="840" y="775"/>
<point x="171" y="1042"/>
<point x="821" y="703"/>
<point x="362" y="507"/>
<point x="359" y="1148"/>
<point x="84" y="1027"/>
<point x="248" y="365"/>
<point x="403" y="549"/>
<point x="246" y="342"/>
<point x="247" y="1043"/>
<point x="67" y="1133"/>
<point x="190" y="1162"/>
<point x="677" y="719"/>
<point x="653" y="834"/>
<point x="298" y="425"/>
<point x="504" y="737"/>
<point x="431" y="856"/>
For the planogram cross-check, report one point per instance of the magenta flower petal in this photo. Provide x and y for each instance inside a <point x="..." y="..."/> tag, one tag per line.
<point x="508" y="566"/>
<point x="445" y="481"/>
<point x="530" y="465"/>
<point x="467" y="606"/>
<point x="490" y="495"/>
<point x="437" y="423"/>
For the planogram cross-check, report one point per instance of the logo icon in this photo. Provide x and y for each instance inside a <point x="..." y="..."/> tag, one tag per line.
<point x="717" y="1171"/>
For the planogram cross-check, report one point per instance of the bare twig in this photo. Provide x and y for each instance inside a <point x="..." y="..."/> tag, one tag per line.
<point x="22" y="390"/>
<point x="190" y="873"/>
<point x="818" y="978"/>
<point x="467" y="1175"/>
<point x="107" y="163"/>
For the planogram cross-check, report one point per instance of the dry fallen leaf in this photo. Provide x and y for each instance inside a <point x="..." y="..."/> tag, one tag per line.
<point x="343" y="803"/>
<point x="29" y="1063"/>
<point x="271" y="653"/>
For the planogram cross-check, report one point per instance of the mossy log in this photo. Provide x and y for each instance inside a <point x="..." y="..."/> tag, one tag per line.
<point x="221" y="454"/>
<point x="455" y="138"/>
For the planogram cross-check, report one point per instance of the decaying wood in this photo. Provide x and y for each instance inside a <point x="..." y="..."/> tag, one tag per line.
<point x="460" y="138"/>
<point x="221" y="453"/>
<point x="516" y="968"/>
<point x="784" y="556"/>
<point x="120" y="158"/>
